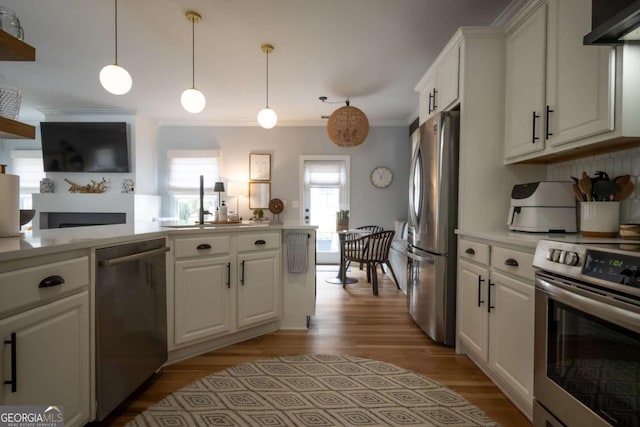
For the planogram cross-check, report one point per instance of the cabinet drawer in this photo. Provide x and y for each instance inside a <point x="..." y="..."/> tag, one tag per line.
<point x="478" y="252"/>
<point x="258" y="241"/>
<point x="198" y="246"/>
<point x="23" y="287"/>
<point x="514" y="262"/>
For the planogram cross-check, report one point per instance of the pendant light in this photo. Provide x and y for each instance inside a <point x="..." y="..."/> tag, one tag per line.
<point x="192" y="99"/>
<point x="114" y="78"/>
<point x="267" y="118"/>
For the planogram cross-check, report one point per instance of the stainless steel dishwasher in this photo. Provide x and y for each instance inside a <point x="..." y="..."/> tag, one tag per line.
<point x="131" y="319"/>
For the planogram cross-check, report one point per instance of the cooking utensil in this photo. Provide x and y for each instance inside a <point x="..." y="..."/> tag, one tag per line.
<point x="586" y="186"/>
<point x="604" y="190"/>
<point x="622" y="180"/>
<point x="579" y="194"/>
<point x="624" y="191"/>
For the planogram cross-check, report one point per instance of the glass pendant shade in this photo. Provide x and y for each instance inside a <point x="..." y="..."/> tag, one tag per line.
<point x="267" y="118"/>
<point x="193" y="100"/>
<point x="115" y="79"/>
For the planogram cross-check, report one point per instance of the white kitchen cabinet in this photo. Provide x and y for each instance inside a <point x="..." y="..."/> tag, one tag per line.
<point x="202" y="298"/>
<point x="558" y="91"/>
<point x="44" y="320"/>
<point x="511" y="326"/>
<point x="439" y="88"/>
<point x="258" y="278"/>
<point x="224" y="284"/>
<point x="259" y="288"/>
<point x="473" y="328"/>
<point x="495" y="303"/>
<point x="51" y="343"/>
<point x="525" y="85"/>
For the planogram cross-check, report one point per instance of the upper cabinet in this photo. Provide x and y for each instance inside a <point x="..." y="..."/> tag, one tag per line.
<point x="560" y="94"/>
<point x="439" y="88"/>
<point x="12" y="49"/>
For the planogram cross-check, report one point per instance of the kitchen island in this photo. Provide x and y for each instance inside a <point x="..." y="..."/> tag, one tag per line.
<point x="224" y="284"/>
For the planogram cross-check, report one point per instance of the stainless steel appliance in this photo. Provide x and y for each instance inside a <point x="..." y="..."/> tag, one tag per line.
<point x="587" y="335"/>
<point x="433" y="214"/>
<point x="543" y="207"/>
<point x="131" y="319"/>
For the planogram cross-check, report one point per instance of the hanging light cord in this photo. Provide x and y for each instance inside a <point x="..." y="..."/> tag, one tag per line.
<point x="116" y="31"/>
<point x="193" y="53"/>
<point x="267" y="79"/>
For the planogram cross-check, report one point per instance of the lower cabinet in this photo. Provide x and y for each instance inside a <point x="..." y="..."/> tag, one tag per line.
<point x="495" y="316"/>
<point x="51" y="366"/>
<point x="259" y="289"/>
<point x="202" y="298"/>
<point x="225" y="283"/>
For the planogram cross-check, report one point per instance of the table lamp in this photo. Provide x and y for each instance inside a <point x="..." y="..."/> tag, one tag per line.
<point x="218" y="188"/>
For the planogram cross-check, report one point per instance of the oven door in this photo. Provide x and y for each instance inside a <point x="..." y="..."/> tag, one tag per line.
<point x="587" y="355"/>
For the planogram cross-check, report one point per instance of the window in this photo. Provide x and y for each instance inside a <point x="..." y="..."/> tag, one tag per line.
<point x="185" y="168"/>
<point x="325" y="180"/>
<point x="27" y="164"/>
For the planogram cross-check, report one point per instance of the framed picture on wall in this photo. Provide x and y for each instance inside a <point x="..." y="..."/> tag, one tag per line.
<point x="259" y="167"/>
<point x="259" y="195"/>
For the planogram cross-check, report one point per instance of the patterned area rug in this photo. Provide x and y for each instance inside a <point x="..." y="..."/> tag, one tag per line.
<point x="314" y="390"/>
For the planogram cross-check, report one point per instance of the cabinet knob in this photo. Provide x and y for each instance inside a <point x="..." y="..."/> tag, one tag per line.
<point x="203" y="246"/>
<point x="50" y="281"/>
<point x="259" y="242"/>
<point x="470" y="251"/>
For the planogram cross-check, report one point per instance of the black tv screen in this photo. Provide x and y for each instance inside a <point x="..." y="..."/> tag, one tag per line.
<point x="85" y="146"/>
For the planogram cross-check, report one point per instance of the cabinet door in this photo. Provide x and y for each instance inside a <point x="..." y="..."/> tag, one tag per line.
<point x="426" y="100"/>
<point x="447" y="79"/>
<point x="52" y="357"/>
<point x="202" y="298"/>
<point x="473" y="322"/>
<point x="511" y="325"/>
<point x="258" y="287"/>
<point x="525" y="86"/>
<point x="579" y="79"/>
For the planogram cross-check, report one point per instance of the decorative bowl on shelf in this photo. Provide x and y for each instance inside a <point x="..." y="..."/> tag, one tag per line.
<point x="26" y="215"/>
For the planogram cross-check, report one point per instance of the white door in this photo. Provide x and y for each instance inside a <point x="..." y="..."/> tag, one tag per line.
<point x="325" y="191"/>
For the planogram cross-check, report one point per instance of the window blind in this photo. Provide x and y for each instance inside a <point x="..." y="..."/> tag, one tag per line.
<point x="325" y="173"/>
<point x="27" y="164"/>
<point x="186" y="166"/>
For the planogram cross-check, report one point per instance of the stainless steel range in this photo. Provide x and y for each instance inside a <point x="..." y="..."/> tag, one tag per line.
<point x="587" y="335"/>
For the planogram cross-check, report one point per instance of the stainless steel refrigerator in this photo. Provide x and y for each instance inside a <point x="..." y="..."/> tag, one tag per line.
<point x="433" y="214"/>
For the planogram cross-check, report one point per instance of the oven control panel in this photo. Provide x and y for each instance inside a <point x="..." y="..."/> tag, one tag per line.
<point x="560" y="256"/>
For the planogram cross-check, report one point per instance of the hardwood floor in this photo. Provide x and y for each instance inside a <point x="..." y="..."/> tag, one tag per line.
<point x="347" y="321"/>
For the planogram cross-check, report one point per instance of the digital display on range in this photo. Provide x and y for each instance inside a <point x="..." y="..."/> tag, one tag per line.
<point x="615" y="268"/>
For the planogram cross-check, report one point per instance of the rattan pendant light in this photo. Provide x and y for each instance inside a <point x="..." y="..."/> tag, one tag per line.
<point x="348" y="126"/>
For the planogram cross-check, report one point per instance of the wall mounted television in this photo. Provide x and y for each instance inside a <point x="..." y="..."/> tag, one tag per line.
<point x="85" y="147"/>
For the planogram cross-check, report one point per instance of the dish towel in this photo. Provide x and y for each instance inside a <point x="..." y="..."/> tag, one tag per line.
<point x="297" y="252"/>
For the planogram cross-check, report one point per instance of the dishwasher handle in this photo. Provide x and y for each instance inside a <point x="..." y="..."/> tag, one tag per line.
<point x="133" y="257"/>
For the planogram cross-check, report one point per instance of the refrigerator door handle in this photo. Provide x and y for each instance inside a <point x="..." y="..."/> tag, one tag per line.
<point x="419" y="258"/>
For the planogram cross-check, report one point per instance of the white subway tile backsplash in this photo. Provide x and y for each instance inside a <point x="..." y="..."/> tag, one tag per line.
<point x="614" y="164"/>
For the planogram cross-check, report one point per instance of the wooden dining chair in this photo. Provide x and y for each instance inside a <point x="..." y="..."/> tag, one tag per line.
<point x="372" y="250"/>
<point x="369" y="229"/>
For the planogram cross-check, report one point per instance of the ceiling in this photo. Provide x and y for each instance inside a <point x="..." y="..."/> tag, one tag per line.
<point x="371" y="51"/>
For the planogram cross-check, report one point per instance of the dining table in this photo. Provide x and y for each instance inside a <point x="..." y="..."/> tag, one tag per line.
<point x="341" y="278"/>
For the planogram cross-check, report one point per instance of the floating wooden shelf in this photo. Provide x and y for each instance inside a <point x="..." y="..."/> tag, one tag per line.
<point x="12" y="49"/>
<point x="11" y="129"/>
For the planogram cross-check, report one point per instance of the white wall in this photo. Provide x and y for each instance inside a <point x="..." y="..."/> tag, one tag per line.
<point x="385" y="145"/>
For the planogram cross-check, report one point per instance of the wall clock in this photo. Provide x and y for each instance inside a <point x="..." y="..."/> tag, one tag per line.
<point x="381" y="177"/>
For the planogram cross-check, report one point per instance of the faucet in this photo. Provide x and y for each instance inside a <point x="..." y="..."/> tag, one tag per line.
<point x="202" y="212"/>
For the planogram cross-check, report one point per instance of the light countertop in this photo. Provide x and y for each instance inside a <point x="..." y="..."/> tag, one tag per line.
<point x="64" y="239"/>
<point x="531" y="239"/>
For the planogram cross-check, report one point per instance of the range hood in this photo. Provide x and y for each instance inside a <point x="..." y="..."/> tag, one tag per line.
<point x="613" y="22"/>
